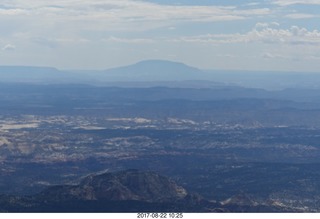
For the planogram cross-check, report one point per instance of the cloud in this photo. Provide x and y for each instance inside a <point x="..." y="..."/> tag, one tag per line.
<point x="54" y="31"/>
<point x="9" y="47"/>
<point x="129" y="40"/>
<point x="262" y="33"/>
<point x="268" y="55"/>
<point x="293" y="35"/>
<point x="300" y="16"/>
<point x="79" y="15"/>
<point x="54" y="43"/>
<point x="261" y="25"/>
<point x="12" y="12"/>
<point x="314" y="57"/>
<point x="253" y="3"/>
<point x="296" y="2"/>
<point x="266" y="25"/>
<point x="56" y="24"/>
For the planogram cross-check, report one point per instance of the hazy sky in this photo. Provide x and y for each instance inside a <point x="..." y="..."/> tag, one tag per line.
<point x="222" y="34"/>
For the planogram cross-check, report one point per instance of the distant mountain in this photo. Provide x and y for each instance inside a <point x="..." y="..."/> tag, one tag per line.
<point x="155" y="70"/>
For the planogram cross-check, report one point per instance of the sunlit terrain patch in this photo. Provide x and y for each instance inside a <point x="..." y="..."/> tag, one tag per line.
<point x="18" y="126"/>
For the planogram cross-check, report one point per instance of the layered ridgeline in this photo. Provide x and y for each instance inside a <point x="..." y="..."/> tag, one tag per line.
<point x="127" y="191"/>
<point x="160" y="73"/>
<point x="145" y="71"/>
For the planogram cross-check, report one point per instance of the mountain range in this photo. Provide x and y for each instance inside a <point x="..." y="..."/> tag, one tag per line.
<point x="150" y="73"/>
<point x="144" y="71"/>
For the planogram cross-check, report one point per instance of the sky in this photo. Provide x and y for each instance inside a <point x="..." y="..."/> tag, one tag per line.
<point x="264" y="35"/>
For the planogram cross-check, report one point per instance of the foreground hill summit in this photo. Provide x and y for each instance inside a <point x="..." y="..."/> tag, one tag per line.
<point x="125" y="185"/>
<point x="124" y="191"/>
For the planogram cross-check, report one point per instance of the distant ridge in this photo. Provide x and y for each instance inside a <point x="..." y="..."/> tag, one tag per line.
<point x="32" y="74"/>
<point x="25" y="69"/>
